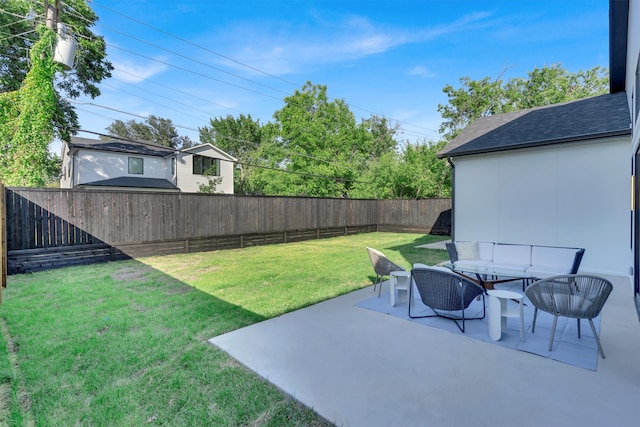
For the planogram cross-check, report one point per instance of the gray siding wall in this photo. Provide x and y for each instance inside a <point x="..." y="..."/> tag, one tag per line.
<point x="187" y="182"/>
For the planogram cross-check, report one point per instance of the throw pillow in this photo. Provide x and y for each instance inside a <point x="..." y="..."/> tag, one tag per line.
<point x="467" y="250"/>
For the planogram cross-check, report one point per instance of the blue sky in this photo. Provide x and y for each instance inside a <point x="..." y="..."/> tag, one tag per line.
<point x="191" y="61"/>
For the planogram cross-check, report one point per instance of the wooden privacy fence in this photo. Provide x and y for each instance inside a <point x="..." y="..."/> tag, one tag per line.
<point x="48" y="228"/>
<point x="3" y="241"/>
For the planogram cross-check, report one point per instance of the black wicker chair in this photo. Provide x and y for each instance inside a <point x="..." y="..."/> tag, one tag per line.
<point x="382" y="267"/>
<point x="443" y="290"/>
<point x="577" y="296"/>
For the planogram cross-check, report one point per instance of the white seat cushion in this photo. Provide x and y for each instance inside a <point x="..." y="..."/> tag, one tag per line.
<point x="508" y="270"/>
<point x="471" y="266"/>
<point x="542" y="272"/>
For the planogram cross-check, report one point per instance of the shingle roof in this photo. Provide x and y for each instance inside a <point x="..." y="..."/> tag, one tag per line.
<point x="142" y="148"/>
<point x="589" y="118"/>
<point x="128" y="181"/>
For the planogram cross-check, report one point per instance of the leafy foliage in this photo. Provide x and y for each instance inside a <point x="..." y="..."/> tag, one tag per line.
<point x="318" y="142"/>
<point x="154" y="129"/>
<point x="316" y="148"/>
<point x="543" y="86"/>
<point x="414" y="173"/>
<point x="240" y="137"/>
<point x="26" y="124"/>
<point x="17" y="37"/>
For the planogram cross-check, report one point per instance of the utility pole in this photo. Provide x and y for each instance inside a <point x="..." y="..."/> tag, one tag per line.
<point x="52" y="11"/>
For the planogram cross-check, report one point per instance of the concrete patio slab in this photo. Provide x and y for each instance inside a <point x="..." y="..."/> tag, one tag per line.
<point x="435" y="245"/>
<point x="357" y="367"/>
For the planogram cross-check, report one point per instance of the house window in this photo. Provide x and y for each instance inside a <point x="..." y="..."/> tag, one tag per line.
<point x="136" y="165"/>
<point x="205" y="165"/>
<point x="173" y="166"/>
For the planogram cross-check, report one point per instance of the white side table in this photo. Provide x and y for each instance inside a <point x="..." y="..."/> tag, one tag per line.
<point x="499" y="310"/>
<point x="398" y="280"/>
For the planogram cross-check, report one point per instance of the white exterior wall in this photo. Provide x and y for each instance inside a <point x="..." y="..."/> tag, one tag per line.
<point x="575" y="195"/>
<point x="189" y="183"/>
<point x="65" y="175"/>
<point x="93" y="165"/>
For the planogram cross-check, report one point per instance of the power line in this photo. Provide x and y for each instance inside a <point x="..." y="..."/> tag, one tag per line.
<point x="195" y="60"/>
<point x="240" y="63"/>
<point x="125" y="112"/>
<point x="174" y="89"/>
<point x="194" y="44"/>
<point x="6" y="12"/>
<point x="10" y="36"/>
<point x="157" y="103"/>
<point x="179" y="54"/>
<point x="217" y="135"/>
<point x="191" y="71"/>
<point x="13" y="23"/>
<point x="402" y="125"/>
<point x="96" y="114"/>
<point x="303" y="174"/>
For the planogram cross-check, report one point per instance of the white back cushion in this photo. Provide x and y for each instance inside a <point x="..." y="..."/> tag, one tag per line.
<point x="553" y="257"/>
<point x="485" y="251"/>
<point x="512" y="254"/>
<point x="467" y="250"/>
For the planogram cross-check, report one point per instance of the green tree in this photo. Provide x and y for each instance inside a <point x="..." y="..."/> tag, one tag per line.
<point x="476" y="98"/>
<point x="551" y="85"/>
<point x="211" y="185"/>
<point x="383" y="135"/>
<point x="543" y="86"/>
<point x="26" y="120"/>
<point x="17" y="38"/>
<point x="154" y="129"/>
<point x="378" y="180"/>
<point x="318" y="141"/>
<point x="241" y="137"/>
<point x="415" y="173"/>
<point x="53" y="169"/>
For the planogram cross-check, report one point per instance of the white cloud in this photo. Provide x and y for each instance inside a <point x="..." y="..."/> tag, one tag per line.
<point x="281" y="48"/>
<point x="130" y="72"/>
<point x="421" y="71"/>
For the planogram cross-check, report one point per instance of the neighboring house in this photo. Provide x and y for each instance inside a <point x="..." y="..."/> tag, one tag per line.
<point x="563" y="174"/>
<point x="126" y="165"/>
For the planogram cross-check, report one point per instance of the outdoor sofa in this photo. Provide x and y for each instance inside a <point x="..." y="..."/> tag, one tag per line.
<point x="513" y="260"/>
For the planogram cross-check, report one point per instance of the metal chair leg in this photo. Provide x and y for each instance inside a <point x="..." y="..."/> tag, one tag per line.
<point x="595" y="335"/>
<point x="553" y="331"/>
<point x="578" y="328"/>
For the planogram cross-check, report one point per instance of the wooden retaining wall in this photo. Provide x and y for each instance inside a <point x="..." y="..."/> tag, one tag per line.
<point x="49" y="228"/>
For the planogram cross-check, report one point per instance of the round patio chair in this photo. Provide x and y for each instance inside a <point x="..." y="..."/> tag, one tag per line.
<point x="577" y="296"/>
<point x="382" y="267"/>
<point x="446" y="294"/>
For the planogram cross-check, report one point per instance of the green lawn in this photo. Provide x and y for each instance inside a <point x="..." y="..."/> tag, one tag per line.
<point x="125" y="343"/>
